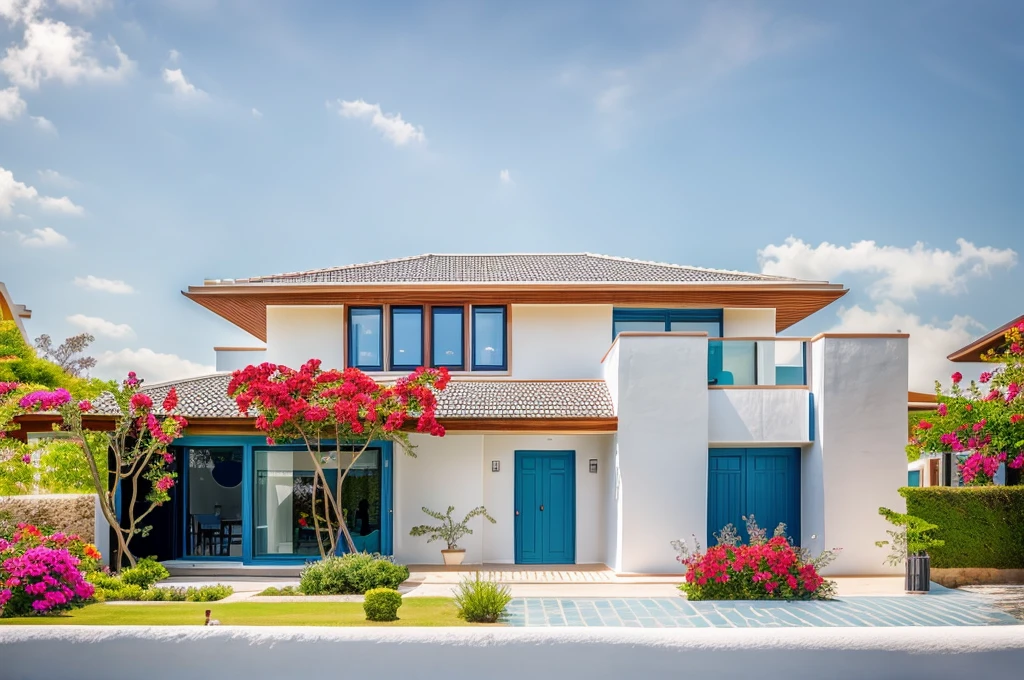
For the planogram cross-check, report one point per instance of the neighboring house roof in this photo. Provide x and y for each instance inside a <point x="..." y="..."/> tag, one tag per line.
<point x="511" y="268"/>
<point x="973" y="351"/>
<point x="921" y="401"/>
<point x="14" y="312"/>
<point x="207" y="397"/>
<point x="543" y="278"/>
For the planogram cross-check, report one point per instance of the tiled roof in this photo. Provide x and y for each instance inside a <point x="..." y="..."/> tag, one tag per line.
<point x="207" y="397"/>
<point x="509" y="268"/>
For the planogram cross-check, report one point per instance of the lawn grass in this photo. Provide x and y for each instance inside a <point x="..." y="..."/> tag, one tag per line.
<point x="415" y="611"/>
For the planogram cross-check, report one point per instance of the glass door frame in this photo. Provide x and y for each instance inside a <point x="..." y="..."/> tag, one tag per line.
<point x="249" y="444"/>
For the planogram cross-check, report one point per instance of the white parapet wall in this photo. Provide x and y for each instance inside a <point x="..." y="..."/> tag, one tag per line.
<point x="760" y="416"/>
<point x="661" y="478"/>
<point x="857" y="461"/>
<point x="255" y="653"/>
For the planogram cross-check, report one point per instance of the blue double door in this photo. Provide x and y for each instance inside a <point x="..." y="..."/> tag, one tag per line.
<point x="764" y="483"/>
<point x="545" y="507"/>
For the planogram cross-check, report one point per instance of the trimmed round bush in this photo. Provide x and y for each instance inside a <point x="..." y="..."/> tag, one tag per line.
<point x="481" y="601"/>
<point x="382" y="604"/>
<point x="145" y="573"/>
<point x="353" y="573"/>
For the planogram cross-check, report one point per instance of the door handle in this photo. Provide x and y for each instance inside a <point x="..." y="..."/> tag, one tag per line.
<point x="517" y="513"/>
<point x="542" y="508"/>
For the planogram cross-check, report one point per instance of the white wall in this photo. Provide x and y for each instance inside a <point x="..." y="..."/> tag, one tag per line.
<point x="591" y="489"/>
<point x="662" y="447"/>
<point x="446" y="471"/>
<point x="272" y="652"/>
<point x="861" y="406"/>
<point x="456" y="470"/>
<point x="296" y="334"/>
<point x="235" y="359"/>
<point x="754" y="416"/>
<point x="559" y="341"/>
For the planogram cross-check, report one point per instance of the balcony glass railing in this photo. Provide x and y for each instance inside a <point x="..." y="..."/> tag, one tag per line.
<point x="757" y="361"/>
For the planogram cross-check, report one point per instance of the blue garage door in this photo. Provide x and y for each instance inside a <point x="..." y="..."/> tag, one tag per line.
<point x="760" y="482"/>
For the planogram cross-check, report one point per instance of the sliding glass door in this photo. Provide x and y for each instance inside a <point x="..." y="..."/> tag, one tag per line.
<point x="283" y="501"/>
<point x="213" y="489"/>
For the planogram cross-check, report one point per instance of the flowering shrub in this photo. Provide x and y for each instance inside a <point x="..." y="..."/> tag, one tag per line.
<point x="139" y="447"/>
<point x="42" y="580"/>
<point x="329" y="411"/>
<point x="28" y="536"/>
<point x="984" y="421"/>
<point x="763" y="569"/>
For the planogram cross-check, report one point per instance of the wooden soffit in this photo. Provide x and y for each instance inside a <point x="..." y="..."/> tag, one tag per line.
<point x="993" y="341"/>
<point x="246" y="305"/>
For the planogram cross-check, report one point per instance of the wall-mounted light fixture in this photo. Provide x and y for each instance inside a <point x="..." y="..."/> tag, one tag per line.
<point x="593" y="465"/>
<point x="495" y="466"/>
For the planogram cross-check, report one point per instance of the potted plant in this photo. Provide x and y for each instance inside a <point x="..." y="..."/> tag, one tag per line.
<point x="450" y="531"/>
<point x="910" y="543"/>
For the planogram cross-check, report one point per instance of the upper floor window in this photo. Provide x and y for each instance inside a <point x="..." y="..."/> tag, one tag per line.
<point x="658" y="320"/>
<point x="489" y="339"/>
<point x="406" y="338"/>
<point x="366" y="338"/>
<point x="447" y="337"/>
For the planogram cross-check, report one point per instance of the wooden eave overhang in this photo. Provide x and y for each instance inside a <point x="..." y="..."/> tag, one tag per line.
<point x="43" y="422"/>
<point x="245" y="305"/>
<point x="972" y="353"/>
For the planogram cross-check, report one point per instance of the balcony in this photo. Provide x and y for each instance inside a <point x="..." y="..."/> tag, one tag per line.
<point x="750" y="362"/>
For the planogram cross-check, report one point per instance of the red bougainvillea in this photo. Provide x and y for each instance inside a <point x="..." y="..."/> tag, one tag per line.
<point x="332" y="411"/>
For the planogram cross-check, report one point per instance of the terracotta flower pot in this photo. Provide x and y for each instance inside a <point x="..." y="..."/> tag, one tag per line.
<point x="453" y="557"/>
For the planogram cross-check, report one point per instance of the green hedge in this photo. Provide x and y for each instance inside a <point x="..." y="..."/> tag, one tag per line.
<point x="982" y="526"/>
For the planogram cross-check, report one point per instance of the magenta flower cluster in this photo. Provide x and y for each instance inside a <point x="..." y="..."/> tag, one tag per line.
<point x="44" y="400"/>
<point x="6" y="387"/>
<point x="42" y="580"/>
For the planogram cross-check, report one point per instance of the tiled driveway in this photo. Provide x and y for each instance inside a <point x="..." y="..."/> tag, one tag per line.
<point x="941" y="608"/>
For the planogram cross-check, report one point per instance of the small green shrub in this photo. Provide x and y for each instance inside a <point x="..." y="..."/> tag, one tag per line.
<point x="981" y="526"/>
<point x="481" y="601"/>
<point x="208" y="593"/>
<point x="145" y="573"/>
<point x="351" y="573"/>
<point x="281" y="592"/>
<point x="382" y="604"/>
<point x="127" y="592"/>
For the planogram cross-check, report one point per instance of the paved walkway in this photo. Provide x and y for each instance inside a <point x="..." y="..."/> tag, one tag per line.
<point x="941" y="608"/>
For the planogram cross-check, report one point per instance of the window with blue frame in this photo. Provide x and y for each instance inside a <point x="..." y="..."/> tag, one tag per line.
<point x="406" y="338"/>
<point x="447" y="337"/>
<point x="678" y="320"/>
<point x="366" y="338"/>
<point x="489" y="339"/>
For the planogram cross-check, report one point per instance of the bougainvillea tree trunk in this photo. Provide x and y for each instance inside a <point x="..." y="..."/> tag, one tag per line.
<point x="138" y="445"/>
<point x="336" y="414"/>
<point x="984" y="422"/>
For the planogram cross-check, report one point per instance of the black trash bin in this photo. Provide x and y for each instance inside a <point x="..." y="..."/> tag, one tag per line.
<point x="919" y="573"/>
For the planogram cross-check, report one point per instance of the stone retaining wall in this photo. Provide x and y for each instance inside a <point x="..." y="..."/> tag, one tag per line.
<point x="507" y="654"/>
<point x="954" y="578"/>
<point x="70" y="513"/>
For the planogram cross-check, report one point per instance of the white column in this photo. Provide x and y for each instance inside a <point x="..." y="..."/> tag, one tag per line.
<point x="662" y="448"/>
<point x="857" y="461"/>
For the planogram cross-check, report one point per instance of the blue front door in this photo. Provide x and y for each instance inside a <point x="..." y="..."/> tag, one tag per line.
<point x="545" y="507"/>
<point x="764" y="483"/>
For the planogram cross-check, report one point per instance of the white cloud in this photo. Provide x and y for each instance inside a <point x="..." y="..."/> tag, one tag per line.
<point x="44" y="124"/>
<point x="256" y="113"/>
<point x="153" y="367"/>
<point x="930" y="342"/>
<point x="47" y="237"/>
<point x="173" y="56"/>
<point x="900" y="273"/>
<point x="391" y="125"/>
<point x="11" y="190"/>
<point x="89" y="7"/>
<point x="180" y="86"/>
<point x="91" y="282"/>
<point x="15" y="11"/>
<point x="97" y="326"/>
<point x="52" y="50"/>
<point x="12" y="106"/>
<point x="505" y="177"/>
<point x="61" y="205"/>
<point x="54" y="177"/>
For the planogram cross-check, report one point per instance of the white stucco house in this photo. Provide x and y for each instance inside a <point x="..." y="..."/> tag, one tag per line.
<point x="600" y="407"/>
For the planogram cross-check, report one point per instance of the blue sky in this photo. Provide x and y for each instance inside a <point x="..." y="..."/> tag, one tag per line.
<point x="159" y="143"/>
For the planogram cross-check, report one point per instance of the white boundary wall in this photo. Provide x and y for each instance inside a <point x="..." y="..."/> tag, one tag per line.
<point x="113" y="653"/>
